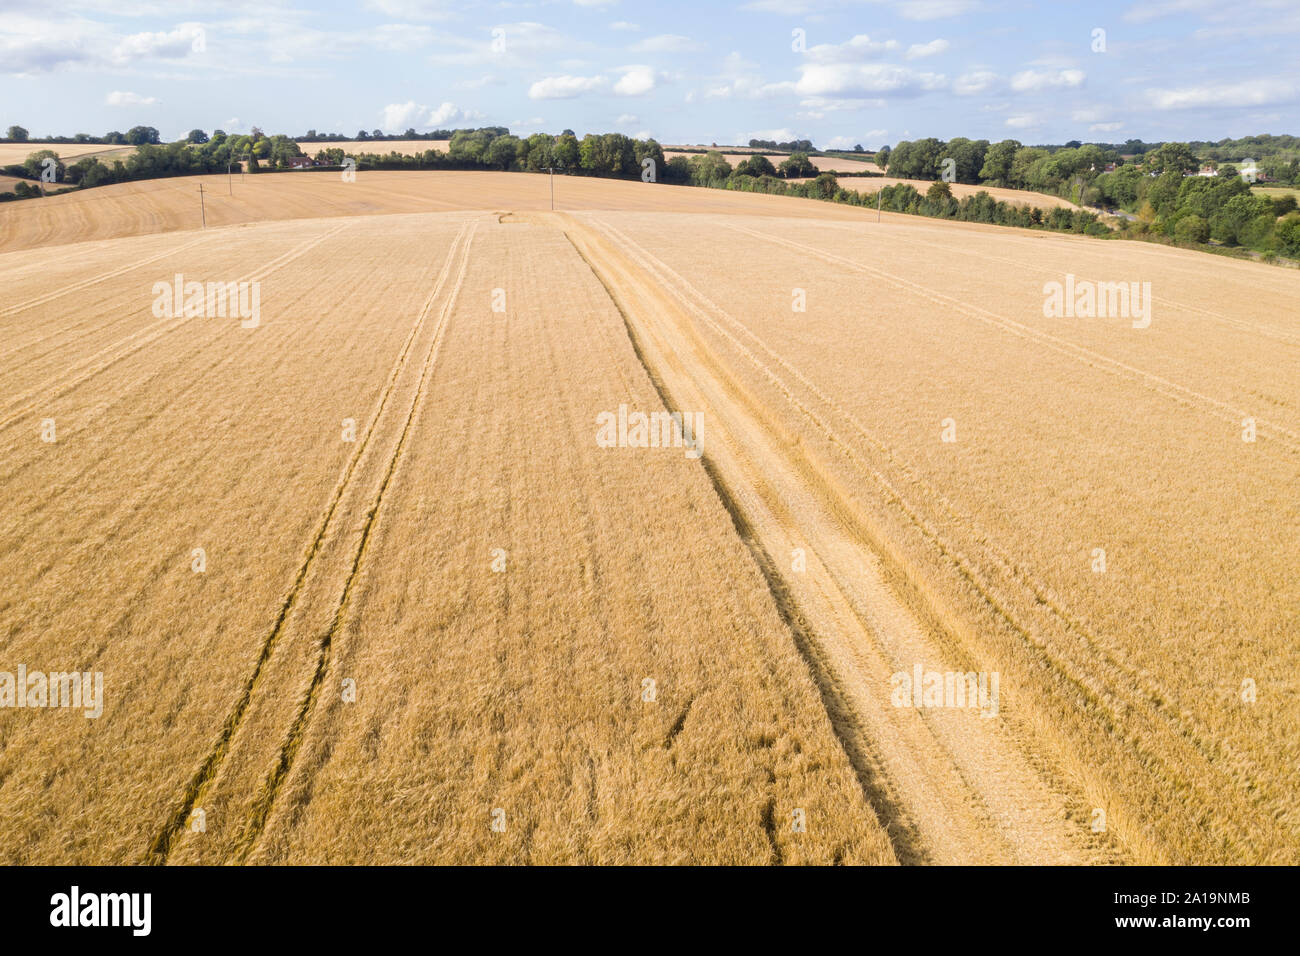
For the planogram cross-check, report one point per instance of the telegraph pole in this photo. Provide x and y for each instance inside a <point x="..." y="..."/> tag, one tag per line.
<point x="202" y="211"/>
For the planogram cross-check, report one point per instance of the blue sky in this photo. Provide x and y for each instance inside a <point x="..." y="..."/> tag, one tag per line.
<point x="869" y="71"/>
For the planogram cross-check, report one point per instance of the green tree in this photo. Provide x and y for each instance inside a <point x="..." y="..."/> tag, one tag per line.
<point x="710" y="168"/>
<point x="197" y="136"/>
<point x="565" y="152"/>
<point x="502" y="151"/>
<point x="1192" y="229"/>
<point x="16" y="134"/>
<point x="140" y="135"/>
<point x="1177" y="157"/>
<point x="882" y="157"/>
<point x="922" y="159"/>
<point x="997" y="162"/>
<point x="757" y="165"/>
<point x="1287" y="233"/>
<point x="968" y="157"/>
<point x="799" y="166"/>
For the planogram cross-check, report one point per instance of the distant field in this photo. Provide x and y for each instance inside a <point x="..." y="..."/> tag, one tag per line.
<point x="1277" y="191"/>
<point x="11" y="153"/>
<point x="406" y="147"/>
<point x="825" y="164"/>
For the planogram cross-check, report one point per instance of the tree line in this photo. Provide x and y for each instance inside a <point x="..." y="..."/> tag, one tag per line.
<point x="1155" y="189"/>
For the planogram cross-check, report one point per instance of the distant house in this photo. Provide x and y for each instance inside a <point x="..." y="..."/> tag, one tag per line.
<point x="299" y="162"/>
<point x="1110" y="168"/>
<point x="1206" y="171"/>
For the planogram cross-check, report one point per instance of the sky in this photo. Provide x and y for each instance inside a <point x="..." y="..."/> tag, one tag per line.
<point x="837" y="72"/>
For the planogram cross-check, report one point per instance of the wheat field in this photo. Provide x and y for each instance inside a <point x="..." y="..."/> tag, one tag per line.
<point x="15" y="153"/>
<point x="365" y="585"/>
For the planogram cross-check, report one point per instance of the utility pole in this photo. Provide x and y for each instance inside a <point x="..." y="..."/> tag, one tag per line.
<point x="202" y="211"/>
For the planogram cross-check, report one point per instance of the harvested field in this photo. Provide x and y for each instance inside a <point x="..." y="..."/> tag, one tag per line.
<point x="437" y="620"/>
<point x="165" y="205"/>
<point x="12" y="153"/>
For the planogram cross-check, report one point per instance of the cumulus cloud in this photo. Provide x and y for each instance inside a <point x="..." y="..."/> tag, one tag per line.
<point x="865" y="79"/>
<point x="564" y="87"/>
<point x="127" y="98"/>
<point x="1022" y="121"/>
<point x="933" y="48"/>
<point x="635" y="81"/>
<point x="450" y="113"/>
<point x="1031" y="80"/>
<point x="171" y="44"/>
<point x="401" y="116"/>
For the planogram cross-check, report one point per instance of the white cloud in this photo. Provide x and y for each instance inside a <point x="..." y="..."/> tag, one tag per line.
<point x="1032" y="80"/>
<point x="174" y="44"/>
<point x="635" y="81"/>
<point x="595" y="3"/>
<point x="1105" y="127"/>
<point x="564" y="87"/>
<point x="933" y="48"/>
<point x="864" y="79"/>
<point x="624" y="25"/>
<point x="627" y="119"/>
<point x="1022" y="121"/>
<point x="1245" y="93"/>
<point x="127" y="98"/>
<point x="977" y="81"/>
<point x="450" y="113"/>
<point x="398" y="116"/>
<point x="860" y="47"/>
